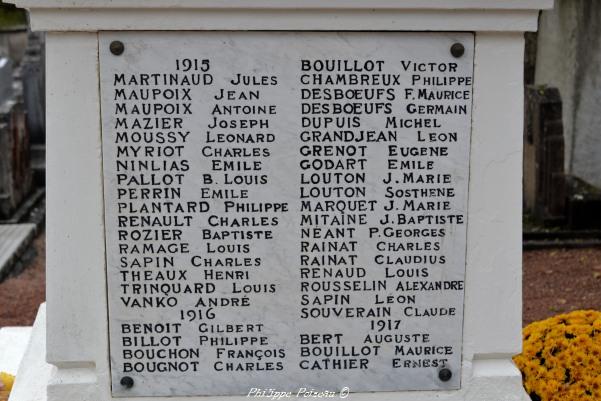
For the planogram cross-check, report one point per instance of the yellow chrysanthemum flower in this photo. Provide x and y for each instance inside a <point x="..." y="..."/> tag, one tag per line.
<point x="6" y="385"/>
<point x="561" y="358"/>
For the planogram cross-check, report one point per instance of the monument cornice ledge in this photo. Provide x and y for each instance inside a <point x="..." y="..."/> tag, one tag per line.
<point x="330" y="15"/>
<point x="296" y="4"/>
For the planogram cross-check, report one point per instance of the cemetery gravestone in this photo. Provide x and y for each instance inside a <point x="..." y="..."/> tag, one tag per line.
<point x="321" y="208"/>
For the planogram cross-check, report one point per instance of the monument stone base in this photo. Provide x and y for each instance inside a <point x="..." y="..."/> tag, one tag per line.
<point x="75" y="338"/>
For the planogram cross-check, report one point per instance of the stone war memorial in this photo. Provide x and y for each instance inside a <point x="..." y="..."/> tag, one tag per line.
<point x="281" y="199"/>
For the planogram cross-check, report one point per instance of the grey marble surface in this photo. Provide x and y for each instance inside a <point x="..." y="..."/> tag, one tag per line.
<point x="284" y="284"/>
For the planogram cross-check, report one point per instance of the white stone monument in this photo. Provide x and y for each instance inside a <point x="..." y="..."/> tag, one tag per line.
<point x="305" y="197"/>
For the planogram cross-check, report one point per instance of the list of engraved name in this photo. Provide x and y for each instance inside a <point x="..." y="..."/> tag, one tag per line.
<point x="301" y="217"/>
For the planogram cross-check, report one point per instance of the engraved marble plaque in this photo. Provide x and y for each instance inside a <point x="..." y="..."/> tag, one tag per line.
<point x="285" y="210"/>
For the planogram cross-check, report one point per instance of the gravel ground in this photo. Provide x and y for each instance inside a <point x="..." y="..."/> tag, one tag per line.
<point x="21" y="294"/>
<point x="555" y="281"/>
<point x="560" y="280"/>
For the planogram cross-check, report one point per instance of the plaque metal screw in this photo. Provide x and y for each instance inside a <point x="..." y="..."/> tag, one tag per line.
<point x="457" y="50"/>
<point x="127" y="382"/>
<point x="117" y="47"/>
<point x="445" y="374"/>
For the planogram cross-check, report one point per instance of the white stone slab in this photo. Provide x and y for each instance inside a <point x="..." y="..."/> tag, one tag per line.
<point x="289" y="300"/>
<point x="34" y="373"/>
<point x="13" y="342"/>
